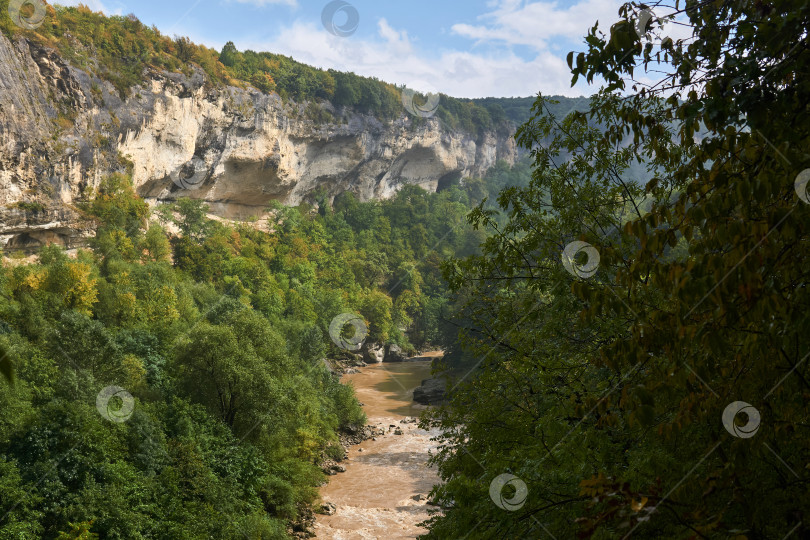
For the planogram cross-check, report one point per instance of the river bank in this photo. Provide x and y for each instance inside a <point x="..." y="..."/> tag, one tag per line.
<point x="383" y="492"/>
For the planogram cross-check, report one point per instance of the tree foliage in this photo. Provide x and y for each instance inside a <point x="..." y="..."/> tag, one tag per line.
<point x="220" y="334"/>
<point x="606" y="393"/>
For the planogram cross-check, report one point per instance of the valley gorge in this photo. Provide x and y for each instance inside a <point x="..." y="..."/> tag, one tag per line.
<point x="172" y="234"/>
<point x="281" y="270"/>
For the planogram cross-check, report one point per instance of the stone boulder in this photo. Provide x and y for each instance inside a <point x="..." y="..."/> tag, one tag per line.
<point x="393" y="353"/>
<point x="327" y="509"/>
<point x="354" y="360"/>
<point x="432" y="392"/>
<point x="373" y="353"/>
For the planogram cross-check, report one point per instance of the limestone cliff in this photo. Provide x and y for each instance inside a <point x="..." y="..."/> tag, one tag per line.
<point x="62" y="130"/>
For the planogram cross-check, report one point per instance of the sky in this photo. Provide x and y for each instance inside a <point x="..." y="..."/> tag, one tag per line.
<point x="472" y="48"/>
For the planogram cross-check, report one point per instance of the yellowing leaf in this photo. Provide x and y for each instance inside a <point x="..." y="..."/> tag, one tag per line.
<point x="637" y="506"/>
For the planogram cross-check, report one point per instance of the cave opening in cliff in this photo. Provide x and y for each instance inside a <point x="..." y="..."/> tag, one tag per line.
<point x="450" y="179"/>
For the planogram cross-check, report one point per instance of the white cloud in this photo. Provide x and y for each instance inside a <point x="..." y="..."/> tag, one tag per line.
<point x="392" y="57"/>
<point x="534" y="24"/>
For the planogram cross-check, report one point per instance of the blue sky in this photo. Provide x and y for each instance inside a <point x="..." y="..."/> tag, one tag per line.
<point x="471" y="48"/>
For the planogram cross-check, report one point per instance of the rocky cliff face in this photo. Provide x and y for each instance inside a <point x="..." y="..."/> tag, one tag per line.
<point x="62" y="130"/>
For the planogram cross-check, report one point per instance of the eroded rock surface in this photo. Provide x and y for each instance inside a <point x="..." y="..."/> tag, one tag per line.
<point x="393" y="353"/>
<point x="62" y="130"/>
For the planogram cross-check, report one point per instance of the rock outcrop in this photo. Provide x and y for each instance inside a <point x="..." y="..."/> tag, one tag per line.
<point x="62" y="130"/>
<point x="373" y="353"/>
<point x="393" y="353"/>
<point x="327" y="509"/>
<point x="431" y="392"/>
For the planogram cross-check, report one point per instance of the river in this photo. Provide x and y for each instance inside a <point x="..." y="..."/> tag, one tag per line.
<point x="374" y="497"/>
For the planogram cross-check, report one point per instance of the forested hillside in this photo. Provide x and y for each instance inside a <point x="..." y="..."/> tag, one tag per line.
<point x="177" y="386"/>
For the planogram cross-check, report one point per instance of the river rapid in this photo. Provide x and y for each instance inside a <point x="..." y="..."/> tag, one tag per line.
<point x="374" y="498"/>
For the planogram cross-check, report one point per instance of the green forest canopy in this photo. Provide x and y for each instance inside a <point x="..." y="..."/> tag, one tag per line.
<point x="219" y="334"/>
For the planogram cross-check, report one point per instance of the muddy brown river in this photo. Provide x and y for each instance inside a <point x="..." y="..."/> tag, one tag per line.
<point x="374" y="497"/>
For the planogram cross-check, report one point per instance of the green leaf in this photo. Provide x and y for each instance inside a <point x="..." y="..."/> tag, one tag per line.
<point x="7" y="367"/>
